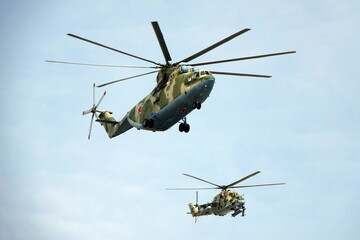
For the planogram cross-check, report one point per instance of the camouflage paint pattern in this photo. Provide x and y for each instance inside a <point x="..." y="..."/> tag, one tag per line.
<point x="178" y="84"/>
<point x="222" y="204"/>
<point x="172" y="82"/>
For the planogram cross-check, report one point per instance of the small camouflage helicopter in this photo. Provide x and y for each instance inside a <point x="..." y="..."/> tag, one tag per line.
<point x="224" y="202"/>
<point x="180" y="88"/>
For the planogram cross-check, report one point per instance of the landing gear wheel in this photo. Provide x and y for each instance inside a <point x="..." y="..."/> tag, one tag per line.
<point x="196" y="105"/>
<point x="181" y="127"/>
<point x="186" y="128"/>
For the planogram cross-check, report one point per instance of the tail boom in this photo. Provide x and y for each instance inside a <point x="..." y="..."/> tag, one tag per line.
<point x="113" y="127"/>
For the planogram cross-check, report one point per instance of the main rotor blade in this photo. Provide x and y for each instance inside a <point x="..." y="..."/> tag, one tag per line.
<point x="241" y="74"/>
<point x="97" y="65"/>
<point x="245" y="186"/>
<point x="242" y="58"/>
<point x="123" y="79"/>
<point x="192" y="57"/>
<point x="202" y="180"/>
<point x="259" y="185"/>
<point x="110" y="48"/>
<point x="161" y="41"/>
<point x="191" y="188"/>
<point x="243" y="179"/>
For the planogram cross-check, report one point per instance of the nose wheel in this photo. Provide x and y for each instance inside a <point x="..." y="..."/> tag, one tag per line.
<point x="184" y="126"/>
<point x="196" y="105"/>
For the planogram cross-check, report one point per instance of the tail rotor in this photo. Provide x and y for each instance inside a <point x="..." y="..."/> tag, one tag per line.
<point x="196" y="204"/>
<point x="93" y="110"/>
<point x="197" y="197"/>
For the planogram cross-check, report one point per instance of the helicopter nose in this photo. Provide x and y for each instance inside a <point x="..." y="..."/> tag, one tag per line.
<point x="208" y="84"/>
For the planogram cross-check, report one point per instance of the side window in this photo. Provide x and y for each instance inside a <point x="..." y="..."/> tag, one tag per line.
<point x="197" y="74"/>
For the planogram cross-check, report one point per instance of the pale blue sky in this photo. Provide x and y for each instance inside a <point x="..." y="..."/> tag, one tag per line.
<point x="300" y="127"/>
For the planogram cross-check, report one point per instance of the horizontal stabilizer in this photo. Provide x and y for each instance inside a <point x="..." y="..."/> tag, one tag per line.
<point x="106" y="121"/>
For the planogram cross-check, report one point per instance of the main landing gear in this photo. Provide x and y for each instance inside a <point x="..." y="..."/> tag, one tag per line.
<point x="241" y="210"/>
<point x="184" y="127"/>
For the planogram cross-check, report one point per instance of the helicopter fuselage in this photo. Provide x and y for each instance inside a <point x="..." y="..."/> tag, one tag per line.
<point x="179" y="90"/>
<point x="223" y="203"/>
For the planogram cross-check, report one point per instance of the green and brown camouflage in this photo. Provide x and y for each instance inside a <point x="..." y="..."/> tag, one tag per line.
<point x="178" y="83"/>
<point x="179" y="90"/>
<point x="222" y="204"/>
<point x="226" y="201"/>
<point x="171" y="83"/>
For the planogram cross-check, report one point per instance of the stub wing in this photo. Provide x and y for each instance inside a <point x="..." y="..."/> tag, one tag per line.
<point x="113" y="127"/>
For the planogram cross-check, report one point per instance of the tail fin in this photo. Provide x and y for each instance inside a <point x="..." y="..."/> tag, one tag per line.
<point x="194" y="209"/>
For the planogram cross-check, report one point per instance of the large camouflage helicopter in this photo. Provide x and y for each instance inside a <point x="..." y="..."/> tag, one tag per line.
<point x="224" y="202"/>
<point x="181" y="87"/>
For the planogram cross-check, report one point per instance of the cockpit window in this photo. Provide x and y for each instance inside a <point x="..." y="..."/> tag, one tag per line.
<point x="202" y="73"/>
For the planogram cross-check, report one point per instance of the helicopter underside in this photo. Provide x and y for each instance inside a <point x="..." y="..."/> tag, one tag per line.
<point x="237" y="207"/>
<point x="178" y="108"/>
